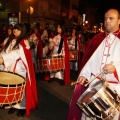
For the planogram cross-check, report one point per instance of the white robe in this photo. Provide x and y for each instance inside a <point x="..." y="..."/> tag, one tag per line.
<point x="100" y="58"/>
<point x="71" y="45"/>
<point x="10" y="57"/>
<point x="55" y="43"/>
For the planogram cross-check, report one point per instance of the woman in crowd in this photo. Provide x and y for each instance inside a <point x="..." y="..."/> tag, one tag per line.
<point x="34" y="39"/>
<point x="58" y="47"/>
<point x="74" y="47"/>
<point x="16" y="57"/>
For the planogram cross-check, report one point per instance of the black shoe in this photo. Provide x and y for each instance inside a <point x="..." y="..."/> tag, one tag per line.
<point x="51" y="80"/>
<point x="62" y="82"/>
<point x="11" y="110"/>
<point x="21" y="112"/>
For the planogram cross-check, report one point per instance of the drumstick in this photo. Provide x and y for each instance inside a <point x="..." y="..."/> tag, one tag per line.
<point x="102" y="71"/>
<point x="76" y="82"/>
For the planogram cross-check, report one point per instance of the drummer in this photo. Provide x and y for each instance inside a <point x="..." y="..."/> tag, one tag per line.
<point x="16" y="57"/>
<point x="103" y="53"/>
<point x="74" y="45"/>
<point x="34" y="38"/>
<point x="58" y="47"/>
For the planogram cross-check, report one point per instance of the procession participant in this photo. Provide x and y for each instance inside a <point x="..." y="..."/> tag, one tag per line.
<point x="9" y="32"/>
<point x="16" y="57"/>
<point x="3" y="33"/>
<point x="46" y="35"/>
<point x="34" y="39"/>
<point x="74" y="46"/>
<point x="103" y="49"/>
<point x="58" y="47"/>
<point x="82" y="47"/>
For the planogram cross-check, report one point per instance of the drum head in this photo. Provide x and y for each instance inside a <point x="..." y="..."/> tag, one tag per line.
<point x="7" y="78"/>
<point x="89" y="93"/>
<point x="94" y="87"/>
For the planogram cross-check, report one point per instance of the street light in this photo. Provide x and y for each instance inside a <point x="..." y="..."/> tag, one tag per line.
<point x="30" y="10"/>
<point x="20" y="13"/>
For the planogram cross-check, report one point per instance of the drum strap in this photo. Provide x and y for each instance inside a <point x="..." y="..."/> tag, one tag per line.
<point x="60" y="46"/>
<point x="49" y="52"/>
<point x="16" y="64"/>
<point x="75" y="43"/>
<point x="110" y="81"/>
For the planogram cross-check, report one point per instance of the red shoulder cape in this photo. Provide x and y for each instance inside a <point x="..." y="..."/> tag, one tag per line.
<point x="67" y="64"/>
<point x="31" y="91"/>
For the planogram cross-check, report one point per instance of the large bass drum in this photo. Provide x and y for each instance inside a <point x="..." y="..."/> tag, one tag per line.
<point x="12" y="87"/>
<point x="99" y="101"/>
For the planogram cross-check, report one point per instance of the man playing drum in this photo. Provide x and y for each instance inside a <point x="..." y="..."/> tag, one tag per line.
<point x="103" y="53"/>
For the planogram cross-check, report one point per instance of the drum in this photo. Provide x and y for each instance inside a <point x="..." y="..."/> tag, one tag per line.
<point x="51" y="64"/>
<point x="99" y="101"/>
<point x="82" y="48"/>
<point x="73" y="55"/>
<point x="11" y="88"/>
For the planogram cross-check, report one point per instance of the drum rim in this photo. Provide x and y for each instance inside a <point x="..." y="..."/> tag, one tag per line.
<point x="51" y="57"/>
<point x="89" y="89"/>
<point x="13" y="85"/>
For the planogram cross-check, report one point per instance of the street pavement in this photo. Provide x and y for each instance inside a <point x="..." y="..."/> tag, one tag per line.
<point x="54" y="101"/>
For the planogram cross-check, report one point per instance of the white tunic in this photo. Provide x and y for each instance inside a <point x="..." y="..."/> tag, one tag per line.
<point x="12" y="57"/>
<point x="71" y="45"/>
<point x="107" y="52"/>
<point x="55" y="43"/>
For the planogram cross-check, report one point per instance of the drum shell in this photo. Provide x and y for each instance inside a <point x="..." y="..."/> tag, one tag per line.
<point x="51" y="64"/>
<point x="98" y="101"/>
<point x="73" y="55"/>
<point x="12" y="93"/>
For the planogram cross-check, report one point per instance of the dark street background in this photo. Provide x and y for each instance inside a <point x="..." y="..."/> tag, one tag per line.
<point x="50" y="108"/>
<point x="53" y="101"/>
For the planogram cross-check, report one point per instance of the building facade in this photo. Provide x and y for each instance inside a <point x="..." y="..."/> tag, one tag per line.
<point x="44" y="11"/>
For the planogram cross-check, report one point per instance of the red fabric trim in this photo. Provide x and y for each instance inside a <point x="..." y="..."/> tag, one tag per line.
<point x="16" y="64"/>
<point x="112" y="82"/>
<point x="116" y="75"/>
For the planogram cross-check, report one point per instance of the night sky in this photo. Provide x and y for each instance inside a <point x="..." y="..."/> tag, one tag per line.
<point x="103" y="5"/>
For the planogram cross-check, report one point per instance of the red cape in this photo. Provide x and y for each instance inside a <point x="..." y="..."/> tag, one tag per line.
<point x="74" y="112"/>
<point x="67" y="64"/>
<point x="31" y="91"/>
<point x="39" y="46"/>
